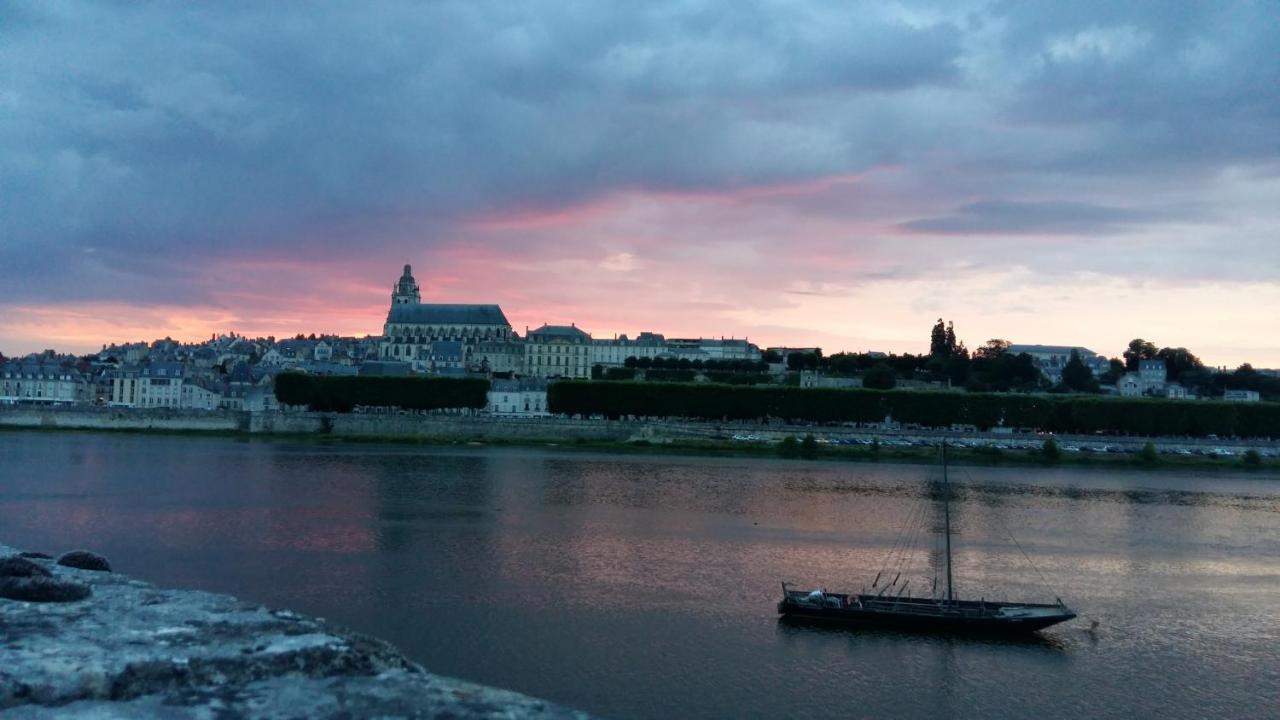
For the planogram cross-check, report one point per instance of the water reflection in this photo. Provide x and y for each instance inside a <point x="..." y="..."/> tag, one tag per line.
<point x="646" y="587"/>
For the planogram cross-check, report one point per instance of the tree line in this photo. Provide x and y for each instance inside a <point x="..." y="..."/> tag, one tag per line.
<point x="343" y="394"/>
<point x="1052" y="413"/>
<point x="994" y="368"/>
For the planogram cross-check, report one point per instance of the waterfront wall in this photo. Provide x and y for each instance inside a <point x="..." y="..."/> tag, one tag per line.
<point x="133" y="650"/>
<point x="488" y="428"/>
<point x="391" y="425"/>
<point x="98" y="418"/>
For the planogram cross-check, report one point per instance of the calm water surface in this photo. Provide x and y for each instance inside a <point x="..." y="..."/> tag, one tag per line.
<point x="644" y="587"/>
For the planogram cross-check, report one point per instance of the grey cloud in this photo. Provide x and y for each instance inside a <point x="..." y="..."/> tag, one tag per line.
<point x="146" y="143"/>
<point x="1032" y="218"/>
<point x="1176" y="86"/>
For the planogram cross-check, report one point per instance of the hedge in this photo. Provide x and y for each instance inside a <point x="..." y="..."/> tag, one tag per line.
<point x="1055" y="413"/>
<point x="341" y="394"/>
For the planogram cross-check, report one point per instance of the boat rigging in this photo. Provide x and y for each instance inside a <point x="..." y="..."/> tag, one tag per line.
<point x="903" y="611"/>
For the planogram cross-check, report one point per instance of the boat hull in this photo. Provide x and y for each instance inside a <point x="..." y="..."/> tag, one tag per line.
<point x="917" y="617"/>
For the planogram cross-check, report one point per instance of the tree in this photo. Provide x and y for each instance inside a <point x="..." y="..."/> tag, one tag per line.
<point x="1148" y="453"/>
<point x="789" y="447"/>
<point x="1138" y="351"/>
<point x="772" y="356"/>
<point x="1077" y="377"/>
<point x="880" y="377"/>
<point x="1178" y="361"/>
<point x="803" y="361"/>
<point x="1113" y="373"/>
<point x="1050" y="450"/>
<point x="994" y="348"/>
<point x="809" y="447"/>
<point x="938" y="339"/>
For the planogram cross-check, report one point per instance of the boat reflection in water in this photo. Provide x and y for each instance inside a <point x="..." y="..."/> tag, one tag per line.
<point x="899" y="610"/>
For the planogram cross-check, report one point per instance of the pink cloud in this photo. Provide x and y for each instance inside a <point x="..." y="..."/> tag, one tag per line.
<point x="781" y="264"/>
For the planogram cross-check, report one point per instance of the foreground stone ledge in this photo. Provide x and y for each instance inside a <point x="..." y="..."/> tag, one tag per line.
<point x="134" y="650"/>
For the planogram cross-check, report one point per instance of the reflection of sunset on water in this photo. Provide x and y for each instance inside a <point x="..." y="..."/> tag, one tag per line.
<point x="554" y="573"/>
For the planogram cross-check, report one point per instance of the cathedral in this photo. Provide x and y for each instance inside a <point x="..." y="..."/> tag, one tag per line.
<point x="434" y="336"/>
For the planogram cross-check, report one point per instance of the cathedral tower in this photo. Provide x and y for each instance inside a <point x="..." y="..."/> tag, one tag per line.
<point x="405" y="292"/>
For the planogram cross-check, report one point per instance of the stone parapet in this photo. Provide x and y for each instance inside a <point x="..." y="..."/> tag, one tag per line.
<point x="135" y="650"/>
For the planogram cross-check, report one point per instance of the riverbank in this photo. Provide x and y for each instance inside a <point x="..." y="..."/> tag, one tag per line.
<point x="887" y="454"/>
<point x="663" y="436"/>
<point x="911" y="455"/>
<point x="131" y="649"/>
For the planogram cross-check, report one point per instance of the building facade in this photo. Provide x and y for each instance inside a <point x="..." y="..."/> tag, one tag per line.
<point x="521" y="398"/>
<point x="614" y="352"/>
<point x="412" y="327"/>
<point x="43" y="384"/>
<point x="713" y="349"/>
<point x="558" y="351"/>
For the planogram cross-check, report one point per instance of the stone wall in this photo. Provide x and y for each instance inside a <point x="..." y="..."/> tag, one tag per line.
<point x="134" y="650"/>
<point x="107" y="418"/>
<point x="489" y="428"/>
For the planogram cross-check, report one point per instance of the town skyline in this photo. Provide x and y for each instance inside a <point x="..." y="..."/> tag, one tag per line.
<point x="793" y="172"/>
<point x="909" y="347"/>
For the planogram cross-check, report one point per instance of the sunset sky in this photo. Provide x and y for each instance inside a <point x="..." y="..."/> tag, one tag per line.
<point x="837" y="174"/>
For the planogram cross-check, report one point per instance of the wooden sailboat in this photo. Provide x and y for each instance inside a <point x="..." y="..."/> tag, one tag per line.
<point x="941" y="614"/>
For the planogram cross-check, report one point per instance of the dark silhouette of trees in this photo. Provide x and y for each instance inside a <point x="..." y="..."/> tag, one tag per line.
<point x="1114" y="372"/>
<point x="938" y="339"/>
<point x="342" y="394"/>
<point x="994" y="348"/>
<point x="804" y="361"/>
<point x="1077" y="377"/>
<point x="880" y="377"/>
<point x="1063" y="413"/>
<point x="1178" y="361"/>
<point x="1138" y="351"/>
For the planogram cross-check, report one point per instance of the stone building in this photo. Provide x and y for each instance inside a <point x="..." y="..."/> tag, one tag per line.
<point x="524" y="398"/>
<point x="614" y="352"/>
<point x="43" y="384"/>
<point x="498" y="356"/>
<point x="158" y="384"/>
<point x="713" y="349"/>
<point x="1154" y="374"/>
<point x="557" y="351"/>
<point x="413" y="326"/>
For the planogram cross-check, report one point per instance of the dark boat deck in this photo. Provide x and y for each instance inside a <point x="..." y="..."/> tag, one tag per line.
<point x="921" y="613"/>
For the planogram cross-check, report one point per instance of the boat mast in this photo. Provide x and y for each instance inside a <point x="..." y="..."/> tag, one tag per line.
<point x="946" y="511"/>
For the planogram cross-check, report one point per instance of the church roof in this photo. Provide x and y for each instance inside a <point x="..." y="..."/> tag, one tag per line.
<point x="437" y="314"/>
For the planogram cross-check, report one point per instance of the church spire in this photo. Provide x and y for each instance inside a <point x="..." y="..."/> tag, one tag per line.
<point x="405" y="291"/>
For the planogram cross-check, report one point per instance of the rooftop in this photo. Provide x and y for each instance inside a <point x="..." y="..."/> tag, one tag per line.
<point x="567" y="331"/>
<point x="440" y="314"/>
<point x="1016" y="348"/>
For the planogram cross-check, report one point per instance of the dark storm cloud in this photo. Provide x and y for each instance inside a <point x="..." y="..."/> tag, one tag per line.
<point x="148" y="144"/>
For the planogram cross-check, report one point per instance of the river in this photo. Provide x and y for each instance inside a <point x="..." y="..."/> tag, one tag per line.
<point x="641" y="586"/>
